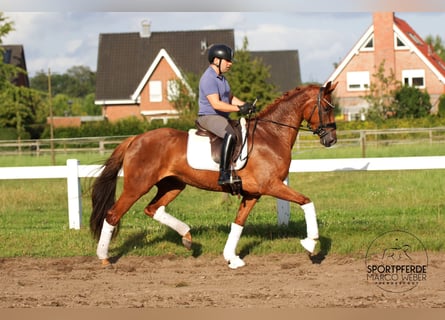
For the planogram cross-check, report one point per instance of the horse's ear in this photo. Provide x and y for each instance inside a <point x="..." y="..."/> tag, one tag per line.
<point x="330" y="87"/>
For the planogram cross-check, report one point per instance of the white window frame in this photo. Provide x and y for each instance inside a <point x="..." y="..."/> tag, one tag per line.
<point x="364" y="48"/>
<point x="396" y="46"/>
<point x="411" y="74"/>
<point x="155" y="90"/>
<point x="357" y="80"/>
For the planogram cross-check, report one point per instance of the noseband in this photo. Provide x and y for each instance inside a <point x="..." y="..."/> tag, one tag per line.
<point x="320" y="131"/>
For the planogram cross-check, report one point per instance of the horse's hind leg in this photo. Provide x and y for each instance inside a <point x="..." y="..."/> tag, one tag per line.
<point x="122" y="205"/>
<point x="168" y="189"/>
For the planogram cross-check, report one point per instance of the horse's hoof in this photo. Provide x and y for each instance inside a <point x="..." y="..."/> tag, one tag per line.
<point x="309" y="244"/>
<point x="236" y="263"/>
<point x="106" y="264"/>
<point x="187" y="241"/>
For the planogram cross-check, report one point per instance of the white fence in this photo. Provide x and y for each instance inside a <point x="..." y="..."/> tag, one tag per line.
<point x="73" y="171"/>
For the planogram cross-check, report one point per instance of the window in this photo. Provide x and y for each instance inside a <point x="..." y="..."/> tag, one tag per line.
<point x="357" y="81"/>
<point x="398" y="43"/>
<point x="155" y="89"/>
<point x="414" y="78"/>
<point x="369" y="44"/>
<point x="415" y="38"/>
<point x="7" y="56"/>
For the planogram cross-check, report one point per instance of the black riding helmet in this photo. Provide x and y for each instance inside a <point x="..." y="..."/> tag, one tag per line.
<point x="220" y="51"/>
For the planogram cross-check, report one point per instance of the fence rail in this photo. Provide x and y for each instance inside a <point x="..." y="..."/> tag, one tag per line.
<point x="73" y="171"/>
<point x="102" y="145"/>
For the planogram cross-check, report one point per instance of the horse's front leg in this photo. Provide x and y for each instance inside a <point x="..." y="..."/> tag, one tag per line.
<point x="236" y="230"/>
<point x="284" y="192"/>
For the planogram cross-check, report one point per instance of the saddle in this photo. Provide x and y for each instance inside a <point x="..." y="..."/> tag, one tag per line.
<point x="216" y="142"/>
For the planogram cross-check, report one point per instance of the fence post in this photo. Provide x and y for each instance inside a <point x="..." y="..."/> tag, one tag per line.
<point x="363" y="143"/>
<point x="74" y="194"/>
<point x="283" y="209"/>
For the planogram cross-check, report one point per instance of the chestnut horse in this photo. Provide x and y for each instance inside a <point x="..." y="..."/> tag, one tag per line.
<point x="158" y="158"/>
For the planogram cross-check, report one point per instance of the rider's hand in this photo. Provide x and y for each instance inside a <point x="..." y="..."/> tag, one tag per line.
<point x="246" y="108"/>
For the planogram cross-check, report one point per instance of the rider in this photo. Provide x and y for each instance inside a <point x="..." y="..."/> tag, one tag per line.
<point x="215" y="104"/>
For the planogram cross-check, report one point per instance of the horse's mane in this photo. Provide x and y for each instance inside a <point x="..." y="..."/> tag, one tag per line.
<point x="284" y="98"/>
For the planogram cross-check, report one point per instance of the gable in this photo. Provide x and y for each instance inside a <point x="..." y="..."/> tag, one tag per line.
<point x="161" y="55"/>
<point x="362" y="42"/>
<point x="409" y="40"/>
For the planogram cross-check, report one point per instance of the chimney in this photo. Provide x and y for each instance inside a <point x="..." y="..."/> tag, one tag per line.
<point x="384" y="40"/>
<point x="145" y="29"/>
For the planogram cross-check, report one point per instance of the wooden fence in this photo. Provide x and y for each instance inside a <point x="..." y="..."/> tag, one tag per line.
<point x="103" y="145"/>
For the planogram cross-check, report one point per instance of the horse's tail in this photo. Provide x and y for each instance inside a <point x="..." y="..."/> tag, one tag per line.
<point x="104" y="188"/>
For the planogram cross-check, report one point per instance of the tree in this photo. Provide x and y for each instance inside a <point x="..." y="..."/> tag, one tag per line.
<point x="437" y="44"/>
<point x="441" y="112"/>
<point x="381" y="94"/>
<point x="410" y="102"/>
<point x="7" y="71"/>
<point x="248" y="81"/>
<point x="18" y="105"/>
<point x="76" y="88"/>
<point x="249" y="78"/>
<point x="77" y="82"/>
<point x="185" y="97"/>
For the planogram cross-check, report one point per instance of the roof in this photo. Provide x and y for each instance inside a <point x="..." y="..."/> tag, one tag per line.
<point x="124" y="58"/>
<point x="426" y="51"/>
<point x="411" y="38"/>
<point x="285" y="65"/>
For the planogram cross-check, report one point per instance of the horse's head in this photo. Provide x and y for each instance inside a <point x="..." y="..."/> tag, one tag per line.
<point x="320" y="116"/>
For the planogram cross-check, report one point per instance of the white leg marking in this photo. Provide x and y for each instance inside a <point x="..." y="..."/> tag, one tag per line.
<point x="229" y="252"/>
<point x="163" y="217"/>
<point x="311" y="227"/>
<point x="311" y="220"/>
<point x="104" y="240"/>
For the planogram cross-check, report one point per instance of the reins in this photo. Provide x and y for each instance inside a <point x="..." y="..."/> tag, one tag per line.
<point x="320" y="131"/>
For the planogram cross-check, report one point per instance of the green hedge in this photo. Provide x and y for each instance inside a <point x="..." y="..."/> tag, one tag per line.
<point x="125" y="127"/>
<point x="133" y="126"/>
<point x="426" y="122"/>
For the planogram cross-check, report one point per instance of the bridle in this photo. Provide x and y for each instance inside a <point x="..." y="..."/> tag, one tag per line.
<point x="320" y="130"/>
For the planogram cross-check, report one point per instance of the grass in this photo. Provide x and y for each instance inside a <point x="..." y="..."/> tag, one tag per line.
<point x="353" y="209"/>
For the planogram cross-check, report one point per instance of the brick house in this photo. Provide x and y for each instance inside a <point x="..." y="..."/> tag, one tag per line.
<point x="403" y="51"/>
<point x="135" y="70"/>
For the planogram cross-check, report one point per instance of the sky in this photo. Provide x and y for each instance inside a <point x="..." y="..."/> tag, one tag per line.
<point x="62" y="35"/>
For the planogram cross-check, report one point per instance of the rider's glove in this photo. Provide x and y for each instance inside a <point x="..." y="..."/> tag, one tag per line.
<point x="246" y="108"/>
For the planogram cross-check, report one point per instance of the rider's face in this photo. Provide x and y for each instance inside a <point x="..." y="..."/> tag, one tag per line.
<point x="225" y="65"/>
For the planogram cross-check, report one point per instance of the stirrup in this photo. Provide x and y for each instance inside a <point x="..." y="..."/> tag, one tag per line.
<point x="228" y="179"/>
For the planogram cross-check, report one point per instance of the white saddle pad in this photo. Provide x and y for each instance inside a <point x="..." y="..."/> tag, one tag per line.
<point x="199" y="151"/>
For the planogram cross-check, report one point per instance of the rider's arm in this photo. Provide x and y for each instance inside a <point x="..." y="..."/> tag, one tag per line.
<point x="219" y="105"/>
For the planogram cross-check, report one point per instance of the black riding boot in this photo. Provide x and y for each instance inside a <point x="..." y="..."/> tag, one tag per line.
<point x="225" y="173"/>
